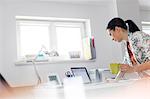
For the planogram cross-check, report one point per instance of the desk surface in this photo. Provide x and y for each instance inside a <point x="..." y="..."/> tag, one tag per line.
<point x="132" y="89"/>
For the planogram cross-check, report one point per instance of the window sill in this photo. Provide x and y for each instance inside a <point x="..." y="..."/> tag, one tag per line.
<point x="25" y="62"/>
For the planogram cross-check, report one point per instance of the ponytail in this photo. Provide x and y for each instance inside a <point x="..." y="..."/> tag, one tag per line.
<point x="132" y="26"/>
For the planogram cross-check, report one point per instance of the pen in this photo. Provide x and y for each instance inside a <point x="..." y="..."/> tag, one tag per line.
<point x="119" y="75"/>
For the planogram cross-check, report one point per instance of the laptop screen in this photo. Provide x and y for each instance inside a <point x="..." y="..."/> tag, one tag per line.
<point x="81" y="71"/>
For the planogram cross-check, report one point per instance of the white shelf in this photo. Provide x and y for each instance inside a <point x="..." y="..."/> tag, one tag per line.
<point x="24" y="62"/>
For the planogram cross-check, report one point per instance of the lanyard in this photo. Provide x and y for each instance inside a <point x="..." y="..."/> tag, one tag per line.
<point x="133" y="60"/>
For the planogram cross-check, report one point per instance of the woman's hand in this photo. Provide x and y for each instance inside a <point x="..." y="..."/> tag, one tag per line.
<point x="126" y="68"/>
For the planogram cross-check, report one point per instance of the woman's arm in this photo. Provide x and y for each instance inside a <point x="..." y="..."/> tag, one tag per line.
<point x="138" y="68"/>
<point x="142" y="67"/>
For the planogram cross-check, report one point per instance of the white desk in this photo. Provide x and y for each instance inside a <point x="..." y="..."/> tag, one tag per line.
<point x="131" y="89"/>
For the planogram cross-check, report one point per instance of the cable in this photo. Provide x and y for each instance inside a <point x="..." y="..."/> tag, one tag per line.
<point x="35" y="67"/>
<point x="36" y="72"/>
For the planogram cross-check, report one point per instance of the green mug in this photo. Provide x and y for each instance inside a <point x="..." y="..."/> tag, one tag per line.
<point x="114" y="68"/>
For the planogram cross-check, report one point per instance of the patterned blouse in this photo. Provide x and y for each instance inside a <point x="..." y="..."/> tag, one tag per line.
<point x="140" y="46"/>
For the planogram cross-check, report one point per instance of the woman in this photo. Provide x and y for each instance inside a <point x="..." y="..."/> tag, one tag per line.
<point x="136" y="45"/>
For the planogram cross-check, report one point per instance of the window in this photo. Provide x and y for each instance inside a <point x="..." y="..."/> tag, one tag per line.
<point x="68" y="39"/>
<point x="64" y="36"/>
<point x="146" y="27"/>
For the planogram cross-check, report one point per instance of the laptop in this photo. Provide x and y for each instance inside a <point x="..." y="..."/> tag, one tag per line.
<point x="81" y="71"/>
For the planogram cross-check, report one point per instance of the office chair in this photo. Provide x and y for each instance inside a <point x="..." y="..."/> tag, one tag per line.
<point x="4" y="82"/>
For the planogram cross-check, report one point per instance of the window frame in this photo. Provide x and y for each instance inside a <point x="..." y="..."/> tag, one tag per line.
<point x="53" y="22"/>
<point x="144" y="24"/>
<point x="74" y="25"/>
<point x="18" y="35"/>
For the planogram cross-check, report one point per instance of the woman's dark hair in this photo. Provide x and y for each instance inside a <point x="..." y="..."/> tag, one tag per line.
<point x="121" y="23"/>
<point x="116" y="22"/>
<point x="132" y="26"/>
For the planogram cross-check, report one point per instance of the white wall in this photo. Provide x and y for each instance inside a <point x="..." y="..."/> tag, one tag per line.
<point x="145" y="15"/>
<point x="129" y="9"/>
<point x="99" y="15"/>
<point x="116" y="48"/>
<point x="1" y="56"/>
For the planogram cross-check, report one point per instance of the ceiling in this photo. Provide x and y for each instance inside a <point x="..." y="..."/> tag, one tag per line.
<point x="144" y="4"/>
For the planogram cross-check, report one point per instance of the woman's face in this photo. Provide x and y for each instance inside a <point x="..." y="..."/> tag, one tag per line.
<point x="116" y="34"/>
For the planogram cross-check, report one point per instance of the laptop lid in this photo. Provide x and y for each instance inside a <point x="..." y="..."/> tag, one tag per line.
<point x="81" y="71"/>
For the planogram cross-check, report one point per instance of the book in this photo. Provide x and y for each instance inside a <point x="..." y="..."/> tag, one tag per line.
<point x="89" y="48"/>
